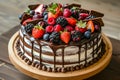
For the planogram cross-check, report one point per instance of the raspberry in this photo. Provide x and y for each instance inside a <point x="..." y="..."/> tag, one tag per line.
<point x="58" y="28"/>
<point x="49" y="29"/>
<point x="51" y="21"/>
<point x="69" y="28"/>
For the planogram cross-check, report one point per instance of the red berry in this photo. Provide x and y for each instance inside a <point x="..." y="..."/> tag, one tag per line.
<point x="67" y="13"/>
<point x="71" y="21"/>
<point x="69" y="28"/>
<point x="82" y="16"/>
<point x="51" y="21"/>
<point x="82" y="30"/>
<point x="37" y="32"/>
<point x="49" y="29"/>
<point x="58" y="28"/>
<point x="65" y="37"/>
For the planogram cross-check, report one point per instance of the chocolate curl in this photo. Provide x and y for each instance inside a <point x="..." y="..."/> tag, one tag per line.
<point x="84" y="11"/>
<point x="33" y="6"/>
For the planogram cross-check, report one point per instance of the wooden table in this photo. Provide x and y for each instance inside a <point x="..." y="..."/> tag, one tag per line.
<point x="8" y="72"/>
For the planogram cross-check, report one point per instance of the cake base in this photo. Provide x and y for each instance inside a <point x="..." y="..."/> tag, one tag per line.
<point x="43" y="75"/>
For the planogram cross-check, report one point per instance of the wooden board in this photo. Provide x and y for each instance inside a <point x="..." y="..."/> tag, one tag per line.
<point x="43" y="75"/>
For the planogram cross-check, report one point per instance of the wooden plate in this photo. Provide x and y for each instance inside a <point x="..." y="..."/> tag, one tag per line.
<point x="43" y="75"/>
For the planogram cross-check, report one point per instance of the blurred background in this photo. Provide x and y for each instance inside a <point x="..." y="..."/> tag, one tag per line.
<point x="10" y="9"/>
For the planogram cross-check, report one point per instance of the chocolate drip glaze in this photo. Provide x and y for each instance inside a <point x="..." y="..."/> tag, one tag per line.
<point x="79" y="55"/>
<point x="32" y="51"/>
<point x="93" y="51"/>
<point x="62" y="57"/>
<point x="85" y="53"/>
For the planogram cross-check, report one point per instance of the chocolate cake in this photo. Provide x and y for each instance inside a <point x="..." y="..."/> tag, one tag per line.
<point x="60" y="38"/>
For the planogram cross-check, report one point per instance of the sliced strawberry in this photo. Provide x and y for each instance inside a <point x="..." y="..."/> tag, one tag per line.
<point x="27" y="20"/>
<point x="90" y="25"/>
<point x="71" y="21"/>
<point x="58" y="28"/>
<point x="65" y="37"/>
<point x="38" y="32"/>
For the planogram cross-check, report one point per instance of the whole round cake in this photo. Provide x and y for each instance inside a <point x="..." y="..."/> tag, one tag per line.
<point x="60" y="38"/>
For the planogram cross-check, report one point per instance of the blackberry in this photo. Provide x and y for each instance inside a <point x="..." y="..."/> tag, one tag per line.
<point x="55" y="37"/>
<point x="29" y="27"/>
<point x="76" y="36"/>
<point x="62" y="21"/>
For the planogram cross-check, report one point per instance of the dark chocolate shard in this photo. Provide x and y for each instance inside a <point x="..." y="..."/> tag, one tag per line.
<point x="84" y="11"/>
<point x="72" y="5"/>
<point x="33" y="6"/>
<point x="96" y="13"/>
<point x="25" y="16"/>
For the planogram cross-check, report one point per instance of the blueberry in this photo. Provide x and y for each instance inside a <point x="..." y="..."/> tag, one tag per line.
<point x="46" y="37"/>
<point x="45" y="17"/>
<point x="20" y="16"/>
<point x="87" y="34"/>
<point x="45" y="13"/>
<point x="32" y="12"/>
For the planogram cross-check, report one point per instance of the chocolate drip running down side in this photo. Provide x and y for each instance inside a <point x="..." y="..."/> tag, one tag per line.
<point x="63" y="69"/>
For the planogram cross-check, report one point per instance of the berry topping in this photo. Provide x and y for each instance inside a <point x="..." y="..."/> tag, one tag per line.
<point x="29" y="27"/>
<point x="97" y="27"/>
<point x="45" y="18"/>
<point x="37" y="16"/>
<point x="20" y="16"/>
<point x="81" y="26"/>
<point x="55" y="37"/>
<point x="49" y="29"/>
<point x="62" y="21"/>
<point x="90" y="25"/>
<point x="87" y="34"/>
<point x="82" y="16"/>
<point x="71" y="21"/>
<point x="46" y="37"/>
<point x="75" y="12"/>
<point x="43" y="24"/>
<point x="38" y="32"/>
<point x="65" y="37"/>
<point x="51" y="21"/>
<point x="69" y="28"/>
<point x="67" y="12"/>
<point x="39" y="9"/>
<point x="58" y="28"/>
<point x="76" y="36"/>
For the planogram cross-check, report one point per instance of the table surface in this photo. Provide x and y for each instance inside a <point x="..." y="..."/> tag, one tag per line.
<point x="8" y="72"/>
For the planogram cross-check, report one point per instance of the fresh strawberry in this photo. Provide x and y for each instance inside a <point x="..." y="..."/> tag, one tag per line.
<point x="49" y="29"/>
<point x="81" y="26"/>
<point x="90" y="25"/>
<point x="58" y="28"/>
<point x="38" y="32"/>
<point x="65" y="37"/>
<point x="69" y="28"/>
<point x="54" y="10"/>
<point x="51" y="21"/>
<point x="67" y="12"/>
<point x="71" y="21"/>
<point x="27" y="20"/>
<point x="82" y="16"/>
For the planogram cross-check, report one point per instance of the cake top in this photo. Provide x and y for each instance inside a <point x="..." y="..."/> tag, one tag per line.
<point x="60" y="24"/>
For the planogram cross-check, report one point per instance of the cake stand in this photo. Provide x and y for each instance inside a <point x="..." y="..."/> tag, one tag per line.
<point x="44" y="75"/>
